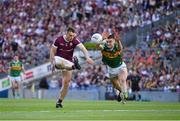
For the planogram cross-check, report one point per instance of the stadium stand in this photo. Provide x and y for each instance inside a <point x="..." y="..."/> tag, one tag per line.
<point x="27" y="27"/>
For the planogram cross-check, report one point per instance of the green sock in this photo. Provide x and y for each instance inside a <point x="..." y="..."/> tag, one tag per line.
<point x="125" y="94"/>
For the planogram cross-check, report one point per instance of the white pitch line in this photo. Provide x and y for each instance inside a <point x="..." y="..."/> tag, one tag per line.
<point x="44" y="111"/>
<point x="128" y="110"/>
<point x="47" y="111"/>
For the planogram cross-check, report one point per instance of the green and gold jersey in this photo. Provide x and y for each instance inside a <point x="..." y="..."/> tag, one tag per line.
<point x="15" y="68"/>
<point x="112" y="57"/>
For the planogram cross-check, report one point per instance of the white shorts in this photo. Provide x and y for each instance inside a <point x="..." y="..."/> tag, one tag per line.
<point x="113" y="72"/>
<point x="17" y="79"/>
<point x="61" y="61"/>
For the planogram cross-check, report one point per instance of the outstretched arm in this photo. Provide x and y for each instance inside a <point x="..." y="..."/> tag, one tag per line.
<point x="52" y="54"/>
<point x="118" y="40"/>
<point x="119" y="44"/>
<point x="86" y="54"/>
<point x="101" y="45"/>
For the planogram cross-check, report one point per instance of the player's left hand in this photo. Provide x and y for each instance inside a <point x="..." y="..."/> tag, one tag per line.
<point x="90" y="61"/>
<point x="105" y="35"/>
<point x="116" y="35"/>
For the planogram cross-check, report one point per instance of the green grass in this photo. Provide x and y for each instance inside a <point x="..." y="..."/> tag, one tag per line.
<point x="34" y="109"/>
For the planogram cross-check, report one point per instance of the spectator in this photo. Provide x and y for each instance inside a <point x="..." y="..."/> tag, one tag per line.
<point x="134" y="80"/>
<point x="43" y="85"/>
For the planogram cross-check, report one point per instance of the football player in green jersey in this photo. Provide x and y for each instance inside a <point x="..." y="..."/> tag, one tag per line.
<point x="112" y="56"/>
<point x="15" y="69"/>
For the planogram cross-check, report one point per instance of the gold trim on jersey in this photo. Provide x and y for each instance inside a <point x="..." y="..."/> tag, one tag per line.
<point x="111" y="54"/>
<point x="17" y="68"/>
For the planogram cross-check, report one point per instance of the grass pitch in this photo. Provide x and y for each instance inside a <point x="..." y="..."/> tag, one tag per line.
<point x="35" y="109"/>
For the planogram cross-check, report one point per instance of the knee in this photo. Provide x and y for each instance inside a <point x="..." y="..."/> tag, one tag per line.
<point x="66" y="84"/>
<point x="123" y="81"/>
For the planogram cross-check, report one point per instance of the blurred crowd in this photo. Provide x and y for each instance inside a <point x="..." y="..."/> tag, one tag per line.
<point x="156" y="58"/>
<point x="27" y="28"/>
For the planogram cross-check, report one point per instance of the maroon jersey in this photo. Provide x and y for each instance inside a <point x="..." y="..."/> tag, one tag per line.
<point x="65" y="48"/>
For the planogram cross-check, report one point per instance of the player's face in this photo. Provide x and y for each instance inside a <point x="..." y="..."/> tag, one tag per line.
<point x="70" y="36"/>
<point x="110" y="43"/>
<point x="16" y="58"/>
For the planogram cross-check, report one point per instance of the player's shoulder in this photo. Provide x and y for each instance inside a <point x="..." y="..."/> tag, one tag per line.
<point x="58" y="38"/>
<point x="20" y="62"/>
<point x="76" y="40"/>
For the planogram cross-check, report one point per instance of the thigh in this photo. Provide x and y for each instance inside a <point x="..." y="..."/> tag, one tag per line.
<point x="119" y="72"/>
<point x="123" y="74"/>
<point x="114" y="80"/>
<point x="67" y="75"/>
<point x="15" y="79"/>
<point x="14" y="82"/>
<point x="113" y="72"/>
<point x="18" y="79"/>
<point x="62" y="61"/>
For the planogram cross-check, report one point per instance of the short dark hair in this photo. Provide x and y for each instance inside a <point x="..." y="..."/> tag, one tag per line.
<point x="70" y="29"/>
<point x="111" y="36"/>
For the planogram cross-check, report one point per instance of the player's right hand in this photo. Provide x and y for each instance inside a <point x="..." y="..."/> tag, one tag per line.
<point x="53" y="66"/>
<point x="90" y="61"/>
